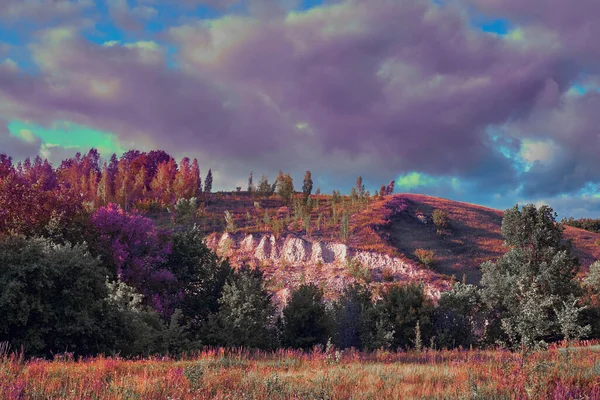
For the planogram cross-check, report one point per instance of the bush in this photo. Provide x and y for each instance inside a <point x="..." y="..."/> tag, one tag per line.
<point x="441" y="219"/>
<point x="388" y="274"/>
<point x="357" y="270"/>
<point x="426" y="257"/>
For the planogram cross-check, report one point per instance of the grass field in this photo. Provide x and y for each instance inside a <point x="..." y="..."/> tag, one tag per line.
<point x="558" y="373"/>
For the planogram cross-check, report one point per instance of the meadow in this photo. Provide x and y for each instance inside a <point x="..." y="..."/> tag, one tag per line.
<point x="558" y="373"/>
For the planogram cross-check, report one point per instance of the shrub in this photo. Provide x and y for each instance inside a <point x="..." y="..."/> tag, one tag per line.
<point x="185" y="209"/>
<point x="388" y="274"/>
<point x="357" y="270"/>
<point x="229" y="221"/>
<point x="441" y="219"/>
<point x="426" y="257"/>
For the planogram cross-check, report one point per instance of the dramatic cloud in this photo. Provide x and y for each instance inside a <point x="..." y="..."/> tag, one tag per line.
<point x="387" y="89"/>
<point x="21" y="146"/>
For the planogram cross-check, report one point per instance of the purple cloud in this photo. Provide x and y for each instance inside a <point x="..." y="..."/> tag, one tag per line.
<point x="18" y="148"/>
<point x="377" y="89"/>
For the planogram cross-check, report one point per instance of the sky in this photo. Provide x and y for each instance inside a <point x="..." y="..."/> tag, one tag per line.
<point x="494" y="102"/>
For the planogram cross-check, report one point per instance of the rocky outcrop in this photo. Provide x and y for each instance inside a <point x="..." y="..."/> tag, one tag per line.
<point x="320" y="262"/>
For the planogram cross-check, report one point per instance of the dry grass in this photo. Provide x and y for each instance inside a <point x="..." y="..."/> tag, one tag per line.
<point x="238" y="374"/>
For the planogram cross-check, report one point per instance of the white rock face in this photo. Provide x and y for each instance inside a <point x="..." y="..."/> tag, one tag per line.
<point x="248" y="243"/>
<point x="296" y="250"/>
<point x="307" y="257"/>
<point x="263" y="250"/>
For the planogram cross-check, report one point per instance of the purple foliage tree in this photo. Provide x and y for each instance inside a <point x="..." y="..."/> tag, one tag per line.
<point x="136" y="250"/>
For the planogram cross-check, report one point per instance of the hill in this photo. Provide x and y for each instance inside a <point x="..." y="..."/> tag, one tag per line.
<point x="383" y="234"/>
<point x="475" y="235"/>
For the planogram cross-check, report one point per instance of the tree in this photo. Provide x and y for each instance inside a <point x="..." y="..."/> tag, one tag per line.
<point x="360" y="188"/>
<point x="112" y="170"/>
<point x="133" y="329"/>
<point x="162" y="183"/>
<point x="389" y="190"/>
<point x="27" y="209"/>
<point x="230" y="222"/>
<point x="250" y="183"/>
<point x="104" y="193"/>
<point x="304" y="318"/>
<point x="196" y="180"/>
<point x="307" y="185"/>
<point x="154" y="159"/>
<point x="208" y="181"/>
<point x="350" y="317"/>
<point x="124" y="182"/>
<point x="400" y="308"/>
<point x="133" y="249"/>
<point x="200" y="274"/>
<point x="183" y="184"/>
<point x="459" y="318"/>
<point x="246" y="313"/>
<point x="6" y="166"/>
<point x="264" y="188"/>
<point x="528" y="283"/>
<point x="285" y="188"/>
<point x="139" y="189"/>
<point x="591" y="299"/>
<point x="52" y="297"/>
<point x="344" y="227"/>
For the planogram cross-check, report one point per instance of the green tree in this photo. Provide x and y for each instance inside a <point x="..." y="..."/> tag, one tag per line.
<point x="360" y="187"/>
<point x="203" y="273"/>
<point x="264" y="188"/>
<point x="350" y="317"/>
<point x="52" y="298"/>
<point x="591" y="300"/>
<point x="593" y="278"/>
<point x="250" y="183"/>
<point x="137" y="330"/>
<point x="344" y="227"/>
<point x="208" y="181"/>
<point x="304" y="318"/>
<point x="459" y="318"/>
<point x="397" y="314"/>
<point x="307" y="185"/>
<point x="526" y="286"/>
<point x="246" y="313"/>
<point x="285" y="188"/>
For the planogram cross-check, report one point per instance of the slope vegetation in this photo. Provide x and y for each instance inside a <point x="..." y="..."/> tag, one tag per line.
<point x="474" y="235"/>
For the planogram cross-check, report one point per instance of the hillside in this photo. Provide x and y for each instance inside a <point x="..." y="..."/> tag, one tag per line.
<point x="475" y="235"/>
<point x="383" y="236"/>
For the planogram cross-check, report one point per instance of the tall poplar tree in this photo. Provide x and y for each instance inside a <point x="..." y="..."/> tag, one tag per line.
<point x="196" y="181"/>
<point x="250" y="183"/>
<point x="307" y="185"/>
<point x="208" y="181"/>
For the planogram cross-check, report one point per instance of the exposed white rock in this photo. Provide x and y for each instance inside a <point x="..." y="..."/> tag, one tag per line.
<point x="275" y="248"/>
<point x="263" y="250"/>
<point x="248" y="244"/>
<point x="296" y="250"/>
<point x="304" y="255"/>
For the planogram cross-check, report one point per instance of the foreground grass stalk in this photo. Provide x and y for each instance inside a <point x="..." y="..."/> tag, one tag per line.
<point x="288" y="374"/>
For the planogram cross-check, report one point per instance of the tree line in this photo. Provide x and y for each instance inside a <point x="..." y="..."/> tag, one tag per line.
<point x="108" y="280"/>
<point x="125" y="287"/>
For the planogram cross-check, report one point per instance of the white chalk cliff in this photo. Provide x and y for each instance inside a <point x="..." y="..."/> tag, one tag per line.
<point x="323" y="263"/>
